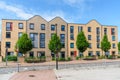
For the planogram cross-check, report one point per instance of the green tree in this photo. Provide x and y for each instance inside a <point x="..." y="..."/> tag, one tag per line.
<point x="24" y="44"/>
<point x="105" y="44"/>
<point x="81" y="42"/>
<point x="119" y="46"/>
<point x="55" y="46"/>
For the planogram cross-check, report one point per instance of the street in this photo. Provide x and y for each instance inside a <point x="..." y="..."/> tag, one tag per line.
<point x="5" y="70"/>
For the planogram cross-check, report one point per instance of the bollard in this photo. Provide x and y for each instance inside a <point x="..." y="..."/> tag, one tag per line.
<point x="18" y="67"/>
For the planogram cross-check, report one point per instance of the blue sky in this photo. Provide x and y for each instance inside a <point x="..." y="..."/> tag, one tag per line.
<point x="106" y="12"/>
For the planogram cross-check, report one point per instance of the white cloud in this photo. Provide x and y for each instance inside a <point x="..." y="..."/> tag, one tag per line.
<point x="75" y="3"/>
<point x="48" y="15"/>
<point x="80" y="6"/>
<point x="21" y="13"/>
<point x="18" y="11"/>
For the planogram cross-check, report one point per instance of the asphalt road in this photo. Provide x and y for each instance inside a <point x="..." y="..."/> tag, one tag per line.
<point x="6" y="70"/>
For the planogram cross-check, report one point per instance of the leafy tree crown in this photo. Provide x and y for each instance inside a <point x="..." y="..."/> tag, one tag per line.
<point x="105" y="44"/>
<point x="24" y="44"/>
<point x="81" y="43"/>
<point x="55" y="44"/>
<point x="119" y="46"/>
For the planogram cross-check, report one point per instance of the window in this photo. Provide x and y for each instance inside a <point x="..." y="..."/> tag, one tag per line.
<point x="90" y="53"/>
<point x="89" y="37"/>
<point x="42" y="26"/>
<point x="98" y="45"/>
<point x="19" y="34"/>
<point x="34" y="38"/>
<point x="53" y="55"/>
<point x="8" y="35"/>
<point x="89" y="29"/>
<point x="20" y="54"/>
<point x="113" y="45"/>
<point x="98" y="30"/>
<point x="62" y="39"/>
<point x="81" y="54"/>
<point x="62" y="54"/>
<point x="112" y="31"/>
<point x="113" y="52"/>
<point x="107" y="54"/>
<point x="71" y="29"/>
<point x="31" y="26"/>
<point x="71" y="36"/>
<point x="20" y="25"/>
<point x="113" y="38"/>
<point x="62" y="27"/>
<point x="10" y="53"/>
<point x="90" y="45"/>
<point x="105" y="30"/>
<point x="98" y="53"/>
<point x="72" y="53"/>
<point x="42" y="40"/>
<point x="71" y="45"/>
<point x="98" y="38"/>
<point x="41" y="54"/>
<point x="52" y="27"/>
<point x="9" y="26"/>
<point x="31" y="54"/>
<point x="80" y="28"/>
<point x="7" y="44"/>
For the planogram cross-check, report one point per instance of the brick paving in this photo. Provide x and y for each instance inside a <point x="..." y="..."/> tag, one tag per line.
<point x="35" y="75"/>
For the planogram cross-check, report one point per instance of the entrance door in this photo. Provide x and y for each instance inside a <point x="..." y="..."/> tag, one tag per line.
<point x="62" y="54"/>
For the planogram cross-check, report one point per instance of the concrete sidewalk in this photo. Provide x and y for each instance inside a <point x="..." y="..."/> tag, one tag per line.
<point x="6" y="76"/>
<point x="35" y="75"/>
<point x="89" y="74"/>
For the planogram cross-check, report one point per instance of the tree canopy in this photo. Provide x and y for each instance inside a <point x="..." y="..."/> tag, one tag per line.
<point x="105" y="44"/>
<point x="55" y="44"/>
<point x="24" y="44"/>
<point x="119" y="46"/>
<point x="81" y="42"/>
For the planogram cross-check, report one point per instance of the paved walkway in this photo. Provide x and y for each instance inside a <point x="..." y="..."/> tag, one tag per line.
<point x="35" y="75"/>
<point x="89" y="74"/>
<point x="6" y="76"/>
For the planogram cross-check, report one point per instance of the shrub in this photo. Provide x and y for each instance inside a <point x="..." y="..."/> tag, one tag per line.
<point x="77" y="58"/>
<point x="89" y="58"/>
<point x="35" y="60"/>
<point x="10" y="58"/>
<point x="53" y="58"/>
<point x="110" y="57"/>
<point x="101" y="57"/>
<point x="118" y="56"/>
<point x="69" y="59"/>
<point x="62" y="59"/>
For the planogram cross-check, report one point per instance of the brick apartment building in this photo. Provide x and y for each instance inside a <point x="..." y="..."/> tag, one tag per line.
<point x="40" y="32"/>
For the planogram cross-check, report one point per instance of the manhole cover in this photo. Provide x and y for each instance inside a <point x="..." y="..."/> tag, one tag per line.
<point x="31" y="75"/>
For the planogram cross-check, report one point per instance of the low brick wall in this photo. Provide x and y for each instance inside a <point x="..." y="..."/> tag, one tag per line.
<point x="0" y="58"/>
<point x="21" y="59"/>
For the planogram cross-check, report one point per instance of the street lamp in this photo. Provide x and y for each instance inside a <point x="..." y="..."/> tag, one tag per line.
<point x="17" y="58"/>
<point x="56" y="50"/>
<point x="6" y="55"/>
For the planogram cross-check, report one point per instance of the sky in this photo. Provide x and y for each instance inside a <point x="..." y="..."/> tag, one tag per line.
<point x="106" y="12"/>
